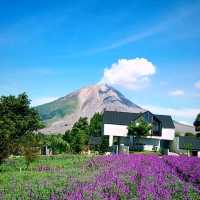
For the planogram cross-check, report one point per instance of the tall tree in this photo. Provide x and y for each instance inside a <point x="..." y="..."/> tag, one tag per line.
<point x="139" y="128"/>
<point x="95" y="126"/>
<point x="57" y="144"/>
<point x="17" y="119"/>
<point x="81" y="124"/>
<point x="79" y="135"/>
<point x="104" y="146"/>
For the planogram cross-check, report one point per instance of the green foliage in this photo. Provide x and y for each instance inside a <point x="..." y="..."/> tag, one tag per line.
<point x="80" y="141"/>
<point x="197" y="122"/>
<point x="139" y="128"/>
<point x="104" y="146"/>
<point x="30" y="147"/>
<point x="189" y="134"/>
<point x="177" y="134"/>
<point x="188" y="147"/>
<point x="16" y="120"/>
<point x="78" y="137"/>
<point x="81" y="124"/>
<point x="67" y="136"/>
<point x="95" y="126"/>
<point x="57" y="144"/>
<point x="198" y="135"/>
<point x="7" y="130"/>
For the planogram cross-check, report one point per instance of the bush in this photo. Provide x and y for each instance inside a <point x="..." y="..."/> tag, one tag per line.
<point x="189" y="134"/>
<point x="198" y="135"/>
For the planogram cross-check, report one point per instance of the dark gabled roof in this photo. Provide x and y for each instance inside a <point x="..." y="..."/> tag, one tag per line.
<point x="187" y="142"/>
<point x="124" y="118"/>
<point x="120" y="118"/>
<point x="166" y="121"/>
<point x="94" y="140"/>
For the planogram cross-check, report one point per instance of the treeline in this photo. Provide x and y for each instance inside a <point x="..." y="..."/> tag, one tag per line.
<point x="82" y="132"/>
<point x="19" y="125"/>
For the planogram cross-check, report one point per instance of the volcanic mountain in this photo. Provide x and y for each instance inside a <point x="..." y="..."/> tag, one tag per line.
<point x="61" y="114"/>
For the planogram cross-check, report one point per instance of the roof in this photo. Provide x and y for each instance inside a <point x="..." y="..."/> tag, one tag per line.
<point x="120" y="118"/>
<point x="124" y="118"/>
<point x="166" y="121"/>
<point x="187" y="142"/>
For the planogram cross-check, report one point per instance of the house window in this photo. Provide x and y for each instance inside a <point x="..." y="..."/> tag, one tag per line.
<point x="148" y="117"/>
<point x="157" y="128"/>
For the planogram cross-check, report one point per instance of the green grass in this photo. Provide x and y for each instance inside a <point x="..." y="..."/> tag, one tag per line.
<point x="17" y="183"/>
<point x="145" y="152"/>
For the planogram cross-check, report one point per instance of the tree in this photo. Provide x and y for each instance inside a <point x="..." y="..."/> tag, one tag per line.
<point x="79" y="135"/>
<point x="197" y="122"/>
<point x="139" y="128"/>
<point x="57" y="144"/>
<point x="104" y="146"/>
<point x="67" y="136"/>
<point x="189" y="134"/>
<point x="30" y="146"/>
<point x="80" y="141"/>
<point x="7" y="129"/>
<point x="177" y="134"/>
<point x="81" y="124"/>
<point x="16" y="120"/>
<point x="95" y="127"/>
<point x="198" y="135"/>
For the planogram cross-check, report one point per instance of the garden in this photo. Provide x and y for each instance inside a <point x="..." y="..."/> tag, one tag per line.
<point x="114" y="177"/>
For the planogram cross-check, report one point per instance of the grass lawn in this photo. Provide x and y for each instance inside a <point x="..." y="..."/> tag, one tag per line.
<point x="45" y="176"/>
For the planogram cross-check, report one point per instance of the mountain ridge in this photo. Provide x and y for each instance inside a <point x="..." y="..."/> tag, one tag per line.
<point x="60" y="115"/>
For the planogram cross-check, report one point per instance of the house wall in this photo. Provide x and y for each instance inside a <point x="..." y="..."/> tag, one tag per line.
<point x="121" y="130"/>
<point x="168" y="134"/>
<point x="150" y="143"/>
<point x="110" y="140"/>
<point x="115" y="130"/>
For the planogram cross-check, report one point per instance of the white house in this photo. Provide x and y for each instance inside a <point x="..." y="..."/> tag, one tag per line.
<point x="115" y="125"/>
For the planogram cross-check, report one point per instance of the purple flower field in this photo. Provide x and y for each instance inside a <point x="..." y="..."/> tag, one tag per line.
<point x="136" y="176"/>
<point x="115" y="177"/>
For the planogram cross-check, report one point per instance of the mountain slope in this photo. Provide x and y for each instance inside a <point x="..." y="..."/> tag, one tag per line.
<point x="61" y="114"/>
<point x="58" y="109"/>
<point x="183" y="128"/>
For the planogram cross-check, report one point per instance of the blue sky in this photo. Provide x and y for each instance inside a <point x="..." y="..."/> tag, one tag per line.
<point x="50" y="48"/>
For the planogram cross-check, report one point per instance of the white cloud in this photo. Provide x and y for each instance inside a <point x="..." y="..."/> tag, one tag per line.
<point x="177" y="92"/>
<point x="42" y="100"/>
<point x="187" y="115"/>
<point x="197" y="84"/>
<point x="131" y="74"/>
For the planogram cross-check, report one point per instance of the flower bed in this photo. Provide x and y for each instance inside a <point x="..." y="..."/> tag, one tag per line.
<point x="132" y="177"/>
<point x="187" y="168"/>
